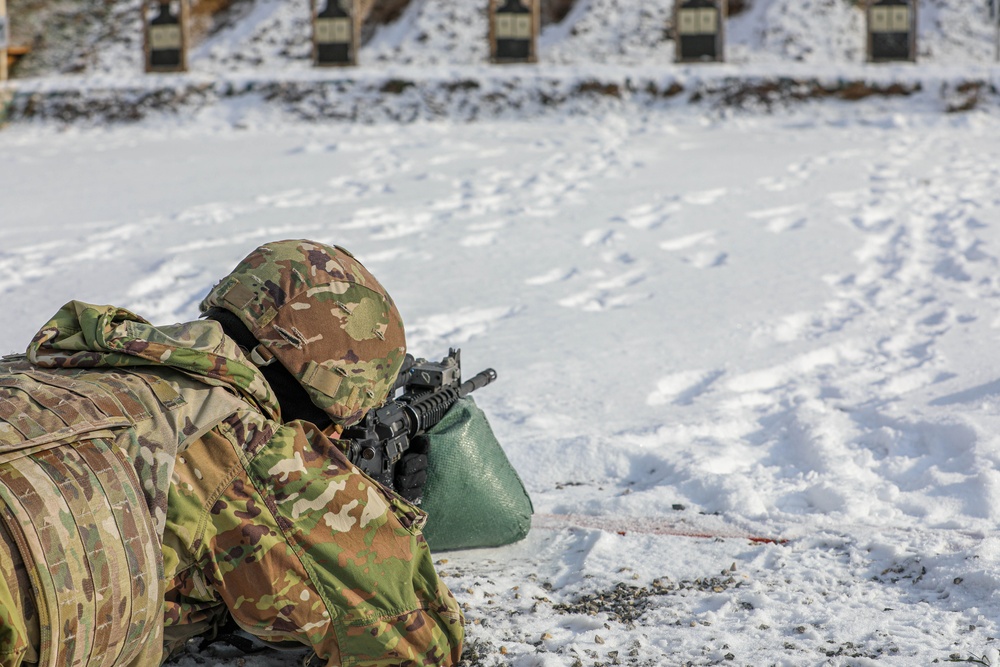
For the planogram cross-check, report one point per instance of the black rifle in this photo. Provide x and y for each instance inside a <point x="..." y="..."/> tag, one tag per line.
<point x="430" y="388"/>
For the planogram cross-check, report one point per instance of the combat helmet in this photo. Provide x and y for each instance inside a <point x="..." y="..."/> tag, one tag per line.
<point x="316" y="311"/>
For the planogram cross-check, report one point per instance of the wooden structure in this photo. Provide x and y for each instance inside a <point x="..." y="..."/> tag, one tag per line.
<point x="15" y="53"/>
<point x="892" y="30"/>
<point x="165" y="24"/>
<point x="336" y="33"/>
<point x="4" y="39"/>
<point x="699" y="27"/>
<point x="514" y="31"/>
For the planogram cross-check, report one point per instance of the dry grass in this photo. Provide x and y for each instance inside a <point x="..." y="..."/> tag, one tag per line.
<point x="209" y="7"/>
<point x="202" y="17"/>
<point x="382" y="12"/>
<point x="738" y="6"/>
<point x="554" y="11"/>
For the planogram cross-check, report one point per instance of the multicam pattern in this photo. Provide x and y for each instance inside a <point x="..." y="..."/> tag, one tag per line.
<point x="19" y="627"/>
<point x="345" y="558"/>
<point x="235" y="509"/>
<point x="82" y="335"/>
<point x="325" y="318"/>
<point x="72" y="503"/>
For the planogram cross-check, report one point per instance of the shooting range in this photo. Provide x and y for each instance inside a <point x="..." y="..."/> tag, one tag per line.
<point x="166" y="36"/>
<point x="892" y="30"/>
<point x="336" y="32"/>
<point x="4" y="39"/>
<point x="514" y="31"/>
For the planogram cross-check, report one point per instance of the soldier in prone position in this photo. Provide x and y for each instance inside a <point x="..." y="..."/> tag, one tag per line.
<point x="156" y="481"/>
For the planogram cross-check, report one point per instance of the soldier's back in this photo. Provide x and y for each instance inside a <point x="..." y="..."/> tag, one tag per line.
<point x="86" y="459"/>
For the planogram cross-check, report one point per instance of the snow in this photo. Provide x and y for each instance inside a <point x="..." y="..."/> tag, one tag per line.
<point x="772" y="326"/>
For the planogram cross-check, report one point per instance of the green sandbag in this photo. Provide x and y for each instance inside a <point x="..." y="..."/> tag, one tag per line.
<point x="473" y="496"/>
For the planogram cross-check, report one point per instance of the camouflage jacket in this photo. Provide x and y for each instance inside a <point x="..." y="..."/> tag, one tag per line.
<point x="154" y="458"/>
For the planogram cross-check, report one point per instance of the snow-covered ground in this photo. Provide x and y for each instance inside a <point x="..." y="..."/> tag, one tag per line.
<point x="782" y="326"/>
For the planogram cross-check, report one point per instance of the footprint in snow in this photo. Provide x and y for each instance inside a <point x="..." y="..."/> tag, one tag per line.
<point x="484" y="234"/>
<point x="781" y="219"/>
<point x="387" y="224"/>
<point x="554" y="276"/>
<point x="705" y="197"/>
<point x="599" y="300"/>
<point x="648" y="216"/>
<point x="168" y="290"/>
<point x="703" y="259"/>
<point x="607" y="294"/>
<point x="312" y="148"/>
<point x="600" y="237"/>
<point x="773" y="184"/>
<point x="479" y="240"/>
<point x="436" y="331"/>
<point x="887" y="172"/>
<point x="849" y="199"/>
<point x="683" y="388"/>
<point x="214" y="213"/>
<point x="689" y="241"/>
<point x="707" y="260"/>
<point x="297" y="198"/>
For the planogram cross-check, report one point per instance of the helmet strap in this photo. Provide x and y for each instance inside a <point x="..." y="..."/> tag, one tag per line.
<point x="292" y="397"/>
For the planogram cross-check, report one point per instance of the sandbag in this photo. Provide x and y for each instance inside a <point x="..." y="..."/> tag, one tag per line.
<point x="473" y="496"/>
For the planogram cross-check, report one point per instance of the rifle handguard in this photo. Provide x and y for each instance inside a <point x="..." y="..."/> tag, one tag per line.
<point x="430" y="389"/>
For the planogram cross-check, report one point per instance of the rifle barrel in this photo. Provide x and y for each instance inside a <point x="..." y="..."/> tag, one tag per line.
<point x="478" y="382"/>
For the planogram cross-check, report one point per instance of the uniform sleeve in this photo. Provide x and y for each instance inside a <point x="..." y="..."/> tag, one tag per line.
<point x="191" y="606"/>
<point x="302" y="546"/>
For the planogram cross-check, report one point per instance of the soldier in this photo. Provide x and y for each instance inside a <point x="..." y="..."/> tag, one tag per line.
<point x="157" y="481"/>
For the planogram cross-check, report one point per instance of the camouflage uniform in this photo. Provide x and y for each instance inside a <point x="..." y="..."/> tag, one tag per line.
<point x="148" y="485"/>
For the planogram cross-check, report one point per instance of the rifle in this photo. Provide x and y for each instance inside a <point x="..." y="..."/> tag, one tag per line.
<point x="378" y="442"/>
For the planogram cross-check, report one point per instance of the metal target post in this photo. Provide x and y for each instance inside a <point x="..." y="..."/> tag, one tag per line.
<point x="165" y="23"/>
<point x="699" y="30"/>
<point x="514" y="31"/>
<point x="336" y="33"/>
<point x="892" y="30"/>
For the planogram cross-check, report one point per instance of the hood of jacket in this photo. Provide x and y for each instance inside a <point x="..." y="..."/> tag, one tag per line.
<point x="83" y="335"/>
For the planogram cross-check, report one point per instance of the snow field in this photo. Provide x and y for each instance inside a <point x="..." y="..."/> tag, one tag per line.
<point x="781" y="327"/>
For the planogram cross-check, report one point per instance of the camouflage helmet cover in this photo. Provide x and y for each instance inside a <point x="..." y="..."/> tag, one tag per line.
<point x="324" y="317"/>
